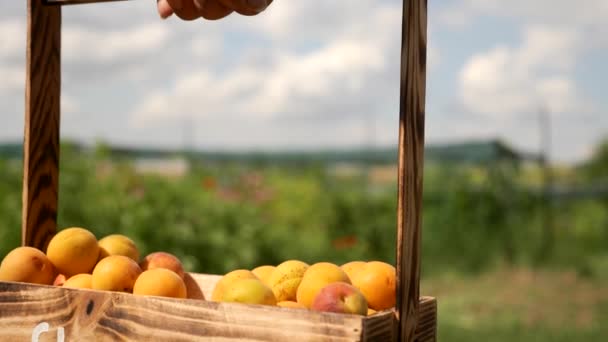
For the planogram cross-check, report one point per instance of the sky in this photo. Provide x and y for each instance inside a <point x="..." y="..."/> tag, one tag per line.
<point x="320" y="74"/>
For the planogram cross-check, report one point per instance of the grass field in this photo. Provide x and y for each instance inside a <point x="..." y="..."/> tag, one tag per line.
<point x="520" y="305"/>
<point x="220" y="217"/>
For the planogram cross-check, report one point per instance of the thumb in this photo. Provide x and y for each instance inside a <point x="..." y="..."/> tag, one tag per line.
<point x="164" y="10"/>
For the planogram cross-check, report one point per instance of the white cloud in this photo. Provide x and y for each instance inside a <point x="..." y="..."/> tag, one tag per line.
<point x="549" y="12"/>
<point x="80" y="43"/>
<point x="12" y="39"/>
<point x="12" y="79"/>
<point x="208" y="46"/>
<point x="505" y="81"/>
<point x="296" y="21"/>
<point x="285" y="89"/>
<point x="69" y="105"/>
<point x="335" y="78"/>
<point x="12" y="55"/>
<point x="502" y="88"/>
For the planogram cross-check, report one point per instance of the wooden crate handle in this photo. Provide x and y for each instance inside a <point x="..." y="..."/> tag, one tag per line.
<point x="411" y="162"/>
<point x="41" y="136"/>
<point x="41" y="144"/>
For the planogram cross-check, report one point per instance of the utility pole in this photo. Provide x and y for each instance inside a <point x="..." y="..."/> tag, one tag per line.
<point x="548" y="226"/>
<point x="370" y="132"/>
<point x="188" y="137"/>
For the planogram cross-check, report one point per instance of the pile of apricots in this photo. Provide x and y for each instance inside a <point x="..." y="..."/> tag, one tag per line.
<point x="76" y="259"/>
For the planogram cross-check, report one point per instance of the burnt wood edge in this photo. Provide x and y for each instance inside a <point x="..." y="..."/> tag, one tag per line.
<point x="410" y="165"/>
<point x="41" y="131"/>
<point x="87" y="313"/>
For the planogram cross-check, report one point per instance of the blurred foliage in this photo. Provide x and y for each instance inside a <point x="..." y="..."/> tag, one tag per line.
<point x="597" y="166"/>
<point x="221" y="216"/>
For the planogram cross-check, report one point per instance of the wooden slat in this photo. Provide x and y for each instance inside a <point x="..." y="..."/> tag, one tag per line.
<point x="41" y="143"/>
<point x="426" y="329"/>
<point x="108" y="316"/>
<point x="411" y="157"/>
<point x="380" y="327"/>
<point x="86" y="315"/>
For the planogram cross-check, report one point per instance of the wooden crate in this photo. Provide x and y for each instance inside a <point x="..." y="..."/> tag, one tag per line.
<point x="49" y="313"/>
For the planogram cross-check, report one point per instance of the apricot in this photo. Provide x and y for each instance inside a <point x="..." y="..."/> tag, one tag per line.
<point x="316" y="277"/>
<point x="263" y="273"/>
<point x="27" y="265"/>
<point x="248" y="291"/>
<point x="59" y="280"/>
<point x="228" y="279"/>
<point x="80" y="281"/>
<point x="163" y="260"/>
<point x="286" y="278"/>
<point x="352" y="267"/>
<point x="115" y="273"/>
<point x="370" y="311"/>
<point x="73" y="251"/>
<point x="377" y="281"/>
<point x="193" y="289"/>
<point x="118" y="244"/>
<point x="340" y="297"/>
<point x="160" y="282"/>
<point x="291" y="304"/>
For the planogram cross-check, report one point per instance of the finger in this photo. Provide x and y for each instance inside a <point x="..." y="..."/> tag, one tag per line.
<point x="258" y="5"/>
<point x="184" y="9"/>
<point x="212" y="9"/>
<point x="164" y="10"/>
<point x="247" y="7"/>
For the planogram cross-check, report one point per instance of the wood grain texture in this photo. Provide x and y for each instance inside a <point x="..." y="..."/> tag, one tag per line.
<point x="410" y="169"/>
<point x="41" y="136"/>
<point x="87" y="315"/>
<point x="426" y="329"/>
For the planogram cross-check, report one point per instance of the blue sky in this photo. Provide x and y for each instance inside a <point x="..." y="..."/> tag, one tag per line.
<point x="308" y="74"/>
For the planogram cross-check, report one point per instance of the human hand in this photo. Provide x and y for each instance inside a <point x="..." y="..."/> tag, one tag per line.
<point x="209" y="9"/>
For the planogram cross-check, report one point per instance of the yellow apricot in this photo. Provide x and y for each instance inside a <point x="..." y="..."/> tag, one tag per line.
<point x="160" y="282"/>
<point x="286" y="278"/>
<point x="27" y="265"/>
<point x="263" y="273"/>
<point x="80" y="281"/>
<point x="115" y="273"/>
<point x="377" y="281"/>
<point x="227" y="279"/>
<point x="315" y="278"/>
<point x="73" y="250"/>
<point x="352" y="267"/>
<point x="118" y="244"/>
<point x="248" y="291"/>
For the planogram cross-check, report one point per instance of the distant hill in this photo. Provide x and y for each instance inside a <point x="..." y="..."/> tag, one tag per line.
<point x="11" y="150"/>
<point x="470" y="152"/>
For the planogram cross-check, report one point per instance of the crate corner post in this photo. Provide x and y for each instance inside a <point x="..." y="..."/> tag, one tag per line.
<point x="417" y="316"/>
<point x="41" y="132"/>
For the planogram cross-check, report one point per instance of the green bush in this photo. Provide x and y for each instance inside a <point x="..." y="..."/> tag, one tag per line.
<point x="221" y="217"/>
